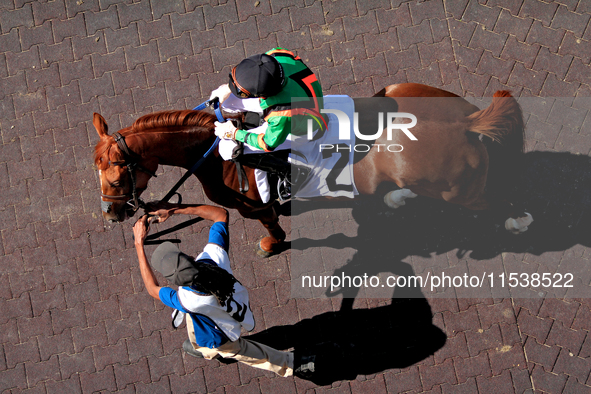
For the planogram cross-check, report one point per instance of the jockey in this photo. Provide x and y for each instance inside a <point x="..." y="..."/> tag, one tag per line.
<point x="289" y="95"/>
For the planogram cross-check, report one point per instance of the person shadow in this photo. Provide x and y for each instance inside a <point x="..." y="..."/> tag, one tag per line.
<point x="430" y="235"/>
<point x="352" y="342"/>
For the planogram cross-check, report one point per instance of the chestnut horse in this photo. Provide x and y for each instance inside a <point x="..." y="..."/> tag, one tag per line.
<point x="464" y="155"/>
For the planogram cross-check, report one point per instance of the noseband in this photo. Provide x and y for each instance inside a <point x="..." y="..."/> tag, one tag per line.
<point x="130" y="161"/>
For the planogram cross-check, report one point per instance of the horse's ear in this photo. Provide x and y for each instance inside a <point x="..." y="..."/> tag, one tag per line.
<point x="100" y="125"/>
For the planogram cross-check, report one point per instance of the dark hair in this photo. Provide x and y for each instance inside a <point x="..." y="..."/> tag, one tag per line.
<point x="214" y="280"/>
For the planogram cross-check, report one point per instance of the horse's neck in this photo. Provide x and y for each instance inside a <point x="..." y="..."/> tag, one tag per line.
<point x="178" y="149"/>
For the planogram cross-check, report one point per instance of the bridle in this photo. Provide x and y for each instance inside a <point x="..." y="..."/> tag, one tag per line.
<point x="130" y="161"/>
<point x="132" y="164"/>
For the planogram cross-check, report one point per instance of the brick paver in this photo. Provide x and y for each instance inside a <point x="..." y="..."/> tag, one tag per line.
<point x="74" y="316"/>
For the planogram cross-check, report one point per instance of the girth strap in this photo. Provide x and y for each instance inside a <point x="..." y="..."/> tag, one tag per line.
<point x="237" y="153"/>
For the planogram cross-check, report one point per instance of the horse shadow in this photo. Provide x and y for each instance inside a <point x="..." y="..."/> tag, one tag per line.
<point x="556" y="190"/>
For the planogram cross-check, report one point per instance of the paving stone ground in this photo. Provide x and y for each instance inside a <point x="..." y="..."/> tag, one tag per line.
<point x="74" y="316"/>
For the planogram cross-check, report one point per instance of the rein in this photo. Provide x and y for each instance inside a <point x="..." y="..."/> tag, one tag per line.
<point x="151" y="239"/>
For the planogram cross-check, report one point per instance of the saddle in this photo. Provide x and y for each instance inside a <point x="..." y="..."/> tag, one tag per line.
<point x="276" y="164"/>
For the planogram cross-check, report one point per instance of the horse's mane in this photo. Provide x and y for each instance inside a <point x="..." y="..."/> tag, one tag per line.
<point x="173" y="120"/>
<point x="164" y="121"/>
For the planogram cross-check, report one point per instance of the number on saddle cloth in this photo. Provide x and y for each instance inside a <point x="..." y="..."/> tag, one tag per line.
<point x="329" y="153"/>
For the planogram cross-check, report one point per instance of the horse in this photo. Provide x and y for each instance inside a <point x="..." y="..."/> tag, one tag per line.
<point x="466" y="156"/>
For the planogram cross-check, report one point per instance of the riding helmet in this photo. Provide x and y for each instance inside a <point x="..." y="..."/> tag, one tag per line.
<point x="257" y="76"/>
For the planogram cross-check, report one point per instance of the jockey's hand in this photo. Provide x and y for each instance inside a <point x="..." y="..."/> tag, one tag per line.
<point x="222" y="93"/>
<point x="226" y="130"/>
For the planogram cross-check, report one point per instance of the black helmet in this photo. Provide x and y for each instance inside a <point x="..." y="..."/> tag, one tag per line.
<point x="257" y="76"/>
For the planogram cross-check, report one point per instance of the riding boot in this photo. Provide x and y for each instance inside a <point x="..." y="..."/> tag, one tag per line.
<point x="291" y="177"/>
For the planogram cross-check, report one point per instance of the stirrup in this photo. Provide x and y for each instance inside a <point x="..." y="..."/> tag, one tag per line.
<point x="283" y="190"/>
<point x="299" y="176"/>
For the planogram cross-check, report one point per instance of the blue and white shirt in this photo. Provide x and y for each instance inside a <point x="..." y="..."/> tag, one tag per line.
<point x="214" y="325"/>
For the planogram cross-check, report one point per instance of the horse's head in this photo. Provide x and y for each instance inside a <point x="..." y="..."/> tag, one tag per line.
<point x="123" y="172"/>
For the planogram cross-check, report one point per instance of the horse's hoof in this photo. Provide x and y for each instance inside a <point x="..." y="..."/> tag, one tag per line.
<point x="519" y="225"/>
<point x="263" y="253"/>
<point x="395" y="199"/>
<point x="267" y="247"/>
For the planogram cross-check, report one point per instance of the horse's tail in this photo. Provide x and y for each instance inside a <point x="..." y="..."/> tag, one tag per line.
<point x="502" y="123"/>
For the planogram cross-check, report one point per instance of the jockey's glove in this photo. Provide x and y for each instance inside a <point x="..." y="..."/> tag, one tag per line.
<point x="222" y="93"/>
<point x="226" y="130"/>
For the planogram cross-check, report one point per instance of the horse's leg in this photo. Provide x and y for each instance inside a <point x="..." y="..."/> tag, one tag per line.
<point x="509" y="198"/>
<point x="268" y="246"/>
<point x="505" y="170"/>
<point x="518" y="220"/>
<point x="249" y="205"/>
<point x="395" y="199"/>
<point x="274" y="243"/>
<point x="520" y="224"/>
<point x="505" y="160"/>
